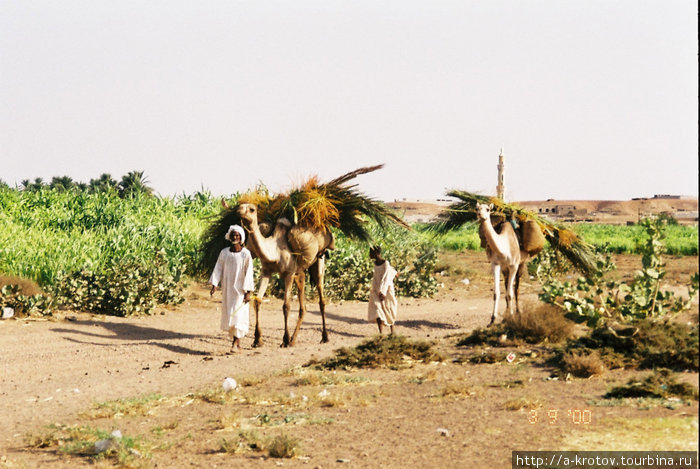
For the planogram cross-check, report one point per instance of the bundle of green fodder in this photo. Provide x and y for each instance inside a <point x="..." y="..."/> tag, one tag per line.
<point x="581" y="254"/>
<point x="314" y="205"/>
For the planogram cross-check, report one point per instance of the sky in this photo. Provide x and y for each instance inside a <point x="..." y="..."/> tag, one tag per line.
<point x="593" y="99"/>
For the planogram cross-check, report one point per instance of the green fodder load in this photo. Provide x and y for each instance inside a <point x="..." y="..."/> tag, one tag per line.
<point x="464" y="211"/>
<point x="533" y="239"/>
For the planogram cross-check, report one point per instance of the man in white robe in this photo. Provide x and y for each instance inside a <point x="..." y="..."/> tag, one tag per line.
<point x="234" y="271"/>
<point x="383" y="303"/>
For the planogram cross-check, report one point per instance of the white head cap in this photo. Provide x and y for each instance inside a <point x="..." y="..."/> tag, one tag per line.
<point x="237" y="229"/>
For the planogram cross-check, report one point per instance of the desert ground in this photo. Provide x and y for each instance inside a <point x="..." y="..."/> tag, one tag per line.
<point x="159" y="380"/>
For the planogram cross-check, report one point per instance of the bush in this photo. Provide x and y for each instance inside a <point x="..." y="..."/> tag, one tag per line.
<point x="644" y="344"/>
<point x="597" y="300"/>
<point x="122" y="289"/>
<point x="583" y="365"/>
<point x="661" y="384"/>
<point x="533" y="325"/>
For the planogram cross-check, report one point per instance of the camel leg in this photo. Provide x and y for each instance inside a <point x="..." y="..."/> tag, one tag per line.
<point x="521" y="268"/>
<point x="496" y="291"/>
<point x="257" y="304"/>
<point x="510" y="288"/>
<point x="300" y="280"/>
<point x="288" y="280"/>
<point x="321" y="272"/>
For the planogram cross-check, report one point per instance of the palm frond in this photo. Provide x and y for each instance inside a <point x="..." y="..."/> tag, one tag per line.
<point x="581" y="254"/>
<point x="353" y="174"/>
<point x="213" y="240"/>
<point x="313" y="205"/>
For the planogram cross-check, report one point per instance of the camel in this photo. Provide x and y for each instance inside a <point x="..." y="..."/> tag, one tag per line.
<point x="289" y="251"/>
<point x="505" y="254"/>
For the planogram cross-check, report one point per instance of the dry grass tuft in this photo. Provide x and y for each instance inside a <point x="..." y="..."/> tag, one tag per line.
<point x="539" y="323"/>
<point x="244" y="442"/>
<point x="26" y="286"/>
<point x="42" y="440"/>
<point x="392" y="351"/>
<point x="121" y="407"/>
<point x="217" y="396"/>
<point x="283" y="446"/>
<point x="583" y="365"/>
<point x="458" y="390"/>
<point x="523" y="403"/>
<point x="229" y="420"/>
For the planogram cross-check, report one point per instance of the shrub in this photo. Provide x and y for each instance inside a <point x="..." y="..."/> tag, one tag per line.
<point x="644" y="344"/>
<point x="11" y="296"/>
<point x="583" y="365"/>
<point x="596" y="299"/>
<point x="283" y="446"/>
<point x="122" y="289"/>
<point x="533" y="325"/>
<point x="660" y="384"/>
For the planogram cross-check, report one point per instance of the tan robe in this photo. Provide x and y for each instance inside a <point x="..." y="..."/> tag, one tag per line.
<point x="383" y="282"/>
<point x="234" y="271"/>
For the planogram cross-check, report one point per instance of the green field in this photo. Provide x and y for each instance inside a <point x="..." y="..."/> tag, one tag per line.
<point x="101" y="252"/>
<point x="105" y="252"/>
<point x="620" y="239"/>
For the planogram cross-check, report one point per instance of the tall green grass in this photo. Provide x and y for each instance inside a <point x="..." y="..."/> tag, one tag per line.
<point x="47" y="231"/>
<point x="621" y="239"/>
<point x="680" y="240"/>
<point x="103" y="253"/>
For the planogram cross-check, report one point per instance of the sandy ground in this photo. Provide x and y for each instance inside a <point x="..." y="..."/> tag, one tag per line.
<point x="52" y="370"/>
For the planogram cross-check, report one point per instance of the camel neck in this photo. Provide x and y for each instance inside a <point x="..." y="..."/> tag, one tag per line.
<point x="262" y="245"/>
<point x="489" y="231"/>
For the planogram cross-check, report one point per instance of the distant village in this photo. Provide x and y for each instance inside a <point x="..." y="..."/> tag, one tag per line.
<point x="683" y="209"/>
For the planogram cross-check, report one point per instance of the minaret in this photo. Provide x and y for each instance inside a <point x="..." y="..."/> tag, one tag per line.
<point x="501" y="187"/>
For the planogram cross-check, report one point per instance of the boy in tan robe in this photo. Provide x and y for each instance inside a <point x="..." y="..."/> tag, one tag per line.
<point x="382" y="299"/>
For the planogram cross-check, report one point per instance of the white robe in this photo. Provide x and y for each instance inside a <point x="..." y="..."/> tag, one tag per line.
<point x="234" y="271"/>
<point x="383" y="282"/>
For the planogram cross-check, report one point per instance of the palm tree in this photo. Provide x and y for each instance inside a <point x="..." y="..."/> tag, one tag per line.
<point x="133" y="184"/>
<point x="62" y="183"/>
<point x="27" y="185"/>
<point x="103" y="184"/>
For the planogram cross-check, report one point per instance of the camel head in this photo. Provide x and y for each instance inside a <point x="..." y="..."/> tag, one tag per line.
<point x="483" y="211"/>
<point x="248" y="214"/>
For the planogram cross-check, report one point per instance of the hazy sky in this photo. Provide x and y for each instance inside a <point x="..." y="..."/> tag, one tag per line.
<point x="589" y="99"/>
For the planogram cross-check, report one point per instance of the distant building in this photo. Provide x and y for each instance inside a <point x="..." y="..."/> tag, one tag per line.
<point x="501" y="186"/>
<point x="562" y="210"/>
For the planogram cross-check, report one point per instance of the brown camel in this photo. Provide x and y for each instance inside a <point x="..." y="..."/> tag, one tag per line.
<point x="505" y="254"/>
<point x="290" y="251"/>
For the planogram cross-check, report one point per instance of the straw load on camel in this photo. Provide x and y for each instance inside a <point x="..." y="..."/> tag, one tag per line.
<point x="290" y="234"/>
<point x="511" y="236"/>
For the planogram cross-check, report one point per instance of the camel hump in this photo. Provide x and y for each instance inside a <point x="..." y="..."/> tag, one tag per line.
<point x="303" y="244"/>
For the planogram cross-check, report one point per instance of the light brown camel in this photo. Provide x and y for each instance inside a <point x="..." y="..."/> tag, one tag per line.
<point x="505" y="254"/>
<point x="290" y="251"/>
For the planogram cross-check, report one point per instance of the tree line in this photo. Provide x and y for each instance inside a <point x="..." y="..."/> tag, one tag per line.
<point x="131" y="184"/>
